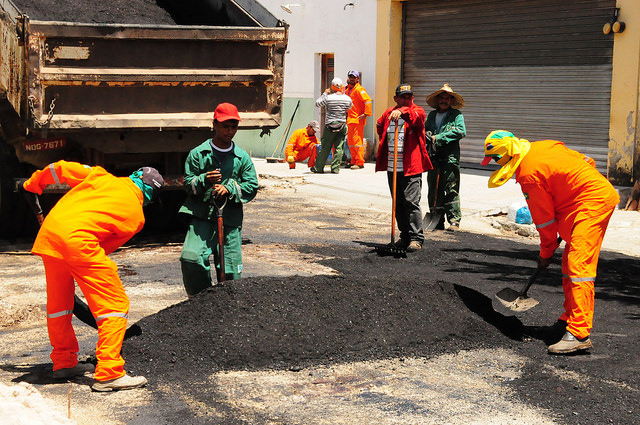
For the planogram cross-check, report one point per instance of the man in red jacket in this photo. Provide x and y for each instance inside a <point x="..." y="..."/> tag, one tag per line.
<point x="412" y="161"/>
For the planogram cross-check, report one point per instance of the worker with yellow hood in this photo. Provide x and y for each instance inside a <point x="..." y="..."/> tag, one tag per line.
<point x="568" y="197"/>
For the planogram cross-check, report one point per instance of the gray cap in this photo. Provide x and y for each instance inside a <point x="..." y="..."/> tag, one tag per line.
<point x="315" y="125"/>
<point x="152" y="177"/>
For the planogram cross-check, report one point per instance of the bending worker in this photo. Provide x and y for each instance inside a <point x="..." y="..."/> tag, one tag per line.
<point x="567" y="196"/>
<point x="302" y="145"/>
<point x="99" y="214"/>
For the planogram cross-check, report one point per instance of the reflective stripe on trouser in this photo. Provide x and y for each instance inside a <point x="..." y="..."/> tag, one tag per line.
<point x="331" y="140"/>
<point x="448" y="190"/>
<point x="97" y="277"/>
<point x="579" y="267"/>
<point x="356" y="144"/>
<point x="308" y="152"/>
<point x="200" y="242"/>
<point x="408" y="213"/>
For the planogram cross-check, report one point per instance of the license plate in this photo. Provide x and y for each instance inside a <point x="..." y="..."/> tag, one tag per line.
<point x="44" y="144"/>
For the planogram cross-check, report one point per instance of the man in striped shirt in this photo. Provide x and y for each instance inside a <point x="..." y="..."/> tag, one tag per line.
<point x="336" y="104"/>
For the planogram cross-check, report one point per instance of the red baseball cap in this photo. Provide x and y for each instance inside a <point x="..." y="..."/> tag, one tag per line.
<point x="226" y="111"/>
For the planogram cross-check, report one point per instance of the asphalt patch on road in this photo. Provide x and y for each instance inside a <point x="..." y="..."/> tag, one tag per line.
<point x="438" y="300"/>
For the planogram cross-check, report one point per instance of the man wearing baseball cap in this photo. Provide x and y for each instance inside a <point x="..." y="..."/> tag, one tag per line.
<point x="302" y="145"/>
<point x="401" y="130"/>
<point x="218" y="174"/>
<point x="357" y="118"/>
<point x="97" y="216"/>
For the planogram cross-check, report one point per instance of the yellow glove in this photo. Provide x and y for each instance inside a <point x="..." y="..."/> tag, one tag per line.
<point x="291" y="159"/>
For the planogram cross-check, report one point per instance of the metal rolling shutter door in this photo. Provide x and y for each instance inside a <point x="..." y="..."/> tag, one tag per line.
<point x="539" y="68"/>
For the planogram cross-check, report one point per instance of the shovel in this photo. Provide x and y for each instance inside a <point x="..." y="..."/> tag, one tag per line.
<point x="520" y="301"/>
<point x="219" y="209"/>
<point x="432" y="218"/>
<point x="391" y="249"/>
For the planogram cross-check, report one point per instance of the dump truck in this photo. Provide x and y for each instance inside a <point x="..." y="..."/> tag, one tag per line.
<point x="124" y="95"/>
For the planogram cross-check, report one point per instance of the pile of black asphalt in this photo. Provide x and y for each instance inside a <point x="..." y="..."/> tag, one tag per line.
<point x="92" y="11"/>
<point x="438" y="300"/>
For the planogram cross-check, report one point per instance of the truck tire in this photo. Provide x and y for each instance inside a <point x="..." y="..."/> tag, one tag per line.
<point x="15" y="216"/>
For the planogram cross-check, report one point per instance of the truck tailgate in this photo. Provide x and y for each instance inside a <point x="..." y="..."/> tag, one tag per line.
<point x="116" y="76"/>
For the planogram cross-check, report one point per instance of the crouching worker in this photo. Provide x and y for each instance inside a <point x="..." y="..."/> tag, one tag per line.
<point x="302" y="145"/>
<point x="218" y="174"/>
<point x="99" y="214"/>
<point x="567" y="196"/>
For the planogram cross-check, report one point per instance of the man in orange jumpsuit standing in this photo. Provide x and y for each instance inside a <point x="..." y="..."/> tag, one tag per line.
<point x="99" y="214"/>
<point x="302" y="145"/>
<point x="356" y="119"/>
<point x="567" y="196"/>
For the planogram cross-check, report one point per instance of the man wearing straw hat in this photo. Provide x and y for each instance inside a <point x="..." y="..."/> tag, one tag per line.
<point x="444" y="128"/>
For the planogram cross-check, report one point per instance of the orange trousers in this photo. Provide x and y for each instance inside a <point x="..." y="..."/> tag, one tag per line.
<point x="579" y="267"/>
<point x="310" y="151"/>
<point x="355" y="133"/>
<point x="98" y="279"/>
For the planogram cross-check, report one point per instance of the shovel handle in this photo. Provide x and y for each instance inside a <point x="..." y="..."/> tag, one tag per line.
<point x="395" y="182"/>
<point x="525" y="288"/>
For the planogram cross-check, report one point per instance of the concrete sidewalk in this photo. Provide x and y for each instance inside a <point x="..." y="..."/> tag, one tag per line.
<point x="365" y="188"/>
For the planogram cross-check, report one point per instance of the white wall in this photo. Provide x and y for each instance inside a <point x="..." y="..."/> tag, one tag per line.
<point x="327" y="26"/>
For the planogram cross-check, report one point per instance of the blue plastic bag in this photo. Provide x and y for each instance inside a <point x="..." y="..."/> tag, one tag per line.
<point x="523" y="216"/>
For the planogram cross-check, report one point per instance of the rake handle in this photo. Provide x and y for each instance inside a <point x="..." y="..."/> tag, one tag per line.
<point x="395" y="182"/>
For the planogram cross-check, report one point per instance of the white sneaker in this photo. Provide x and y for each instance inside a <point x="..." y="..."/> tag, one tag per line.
<point x="124" y="382"/>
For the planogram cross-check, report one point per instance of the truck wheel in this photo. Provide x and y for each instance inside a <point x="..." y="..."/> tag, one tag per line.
<point x="14" y="212"/>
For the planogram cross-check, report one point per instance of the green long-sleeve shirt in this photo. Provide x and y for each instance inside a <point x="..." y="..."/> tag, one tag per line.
<point x="238" y="177"/>
<point x="448" y="136"/>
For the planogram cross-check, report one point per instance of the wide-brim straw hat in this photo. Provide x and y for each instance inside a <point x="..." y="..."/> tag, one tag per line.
<point x="457" y="102"/>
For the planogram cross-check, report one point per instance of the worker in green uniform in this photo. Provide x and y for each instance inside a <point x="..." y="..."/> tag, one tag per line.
<point x="220" y="173"/>
<point x="444" y="128"/>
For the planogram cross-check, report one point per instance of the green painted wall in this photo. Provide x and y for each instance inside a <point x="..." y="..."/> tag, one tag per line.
<point x="263" y="147"/>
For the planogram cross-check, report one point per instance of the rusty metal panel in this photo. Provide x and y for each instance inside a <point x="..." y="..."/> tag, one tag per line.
<point x="12" y="66"/>
<point x="144" y="77"/>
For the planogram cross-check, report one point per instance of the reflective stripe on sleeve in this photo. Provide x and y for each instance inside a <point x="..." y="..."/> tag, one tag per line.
<point x="540" y="226"/>
<point x="104" y="316"/>
<point x="53" y="173"/>
<point x="59" y="314"/>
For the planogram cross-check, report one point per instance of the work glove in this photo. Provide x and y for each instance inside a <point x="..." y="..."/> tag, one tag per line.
<point x="543" y="263"/>
<point x="431" y="144"/>
<point x="32" y="200"/>
<point x="291" y="159"/>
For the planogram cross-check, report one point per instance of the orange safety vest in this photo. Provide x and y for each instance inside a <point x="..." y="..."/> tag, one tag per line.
<point x="298" y="141"/>
<point x="100" y="207"/>
<point x="361" y="104"/>
<point x="558" y="184"/>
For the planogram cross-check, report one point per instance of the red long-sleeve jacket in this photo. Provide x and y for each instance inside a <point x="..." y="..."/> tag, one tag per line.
<point x="416" y="159"/>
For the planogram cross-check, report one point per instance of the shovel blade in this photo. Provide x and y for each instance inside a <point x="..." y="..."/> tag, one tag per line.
<point x="515" y="301"/>
<point x="431" y="220"/>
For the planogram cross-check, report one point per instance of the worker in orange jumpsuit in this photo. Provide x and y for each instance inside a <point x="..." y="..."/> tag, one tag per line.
<point x="302" y="145"/>
<point x="567" y="196"/>
<point x="99" y="214"/>
<point x="356" y="119"/>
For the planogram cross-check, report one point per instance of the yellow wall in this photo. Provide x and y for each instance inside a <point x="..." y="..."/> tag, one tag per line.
<point x="624" y="164"/>
<point x="388" y="53"/>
